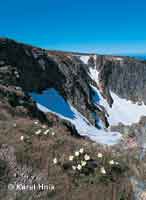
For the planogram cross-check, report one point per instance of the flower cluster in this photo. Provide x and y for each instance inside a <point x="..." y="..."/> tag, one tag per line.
<point x="43" y="130"/>
<point x="79" y="159"/>
<point x="106" y="163"/>
<point x="102" y="164"/>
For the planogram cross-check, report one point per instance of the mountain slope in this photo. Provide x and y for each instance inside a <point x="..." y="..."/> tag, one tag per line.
<point x="49" y="100"/>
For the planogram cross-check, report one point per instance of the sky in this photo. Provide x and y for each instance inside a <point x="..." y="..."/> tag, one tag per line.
<point x="101" y="26"/>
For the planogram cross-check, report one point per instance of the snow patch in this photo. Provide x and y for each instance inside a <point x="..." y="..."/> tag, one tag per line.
<point x="84" y="59"/>
<point x="122" y="110"/>
<point x="51" y="101"/>
<point x="94" y="74"/>
<point x="118" y="59"/>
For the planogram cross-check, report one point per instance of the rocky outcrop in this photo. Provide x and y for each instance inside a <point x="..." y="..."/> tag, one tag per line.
<point x="125" y="76"/>
<point x="35" y="69"/>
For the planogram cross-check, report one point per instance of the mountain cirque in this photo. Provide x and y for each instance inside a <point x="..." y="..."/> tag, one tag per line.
<point x="91" y="86"/>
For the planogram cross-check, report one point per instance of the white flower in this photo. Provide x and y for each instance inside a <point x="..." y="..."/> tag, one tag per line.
<point x="44" y="126"/>
<point x="18" y="88"/>
<point x="38" y="132"/>
<point x="102" y="170"/>
<point x="53" y="133"/>
<point x="46" y="132"/>
<point x="74" y="167"/>
<point x="87" y="157"/>
<point x="52" y="187"/>
<point x="77" y="153"/>
<point x="83" y="163"/>
<point x="15" y="72"/>
<point x="81" y="150"/>
<point x="116" y="163"/>
<point x="71" y="158"/>
<point x="17" y="76"/>
<point x="36" y="122"/>
<point x="99" y="155"/>
<point x="111" y="162"/>
<point x="79" y="167"/>
<point x="55" y="161"/>
<point x="22" y="138"/>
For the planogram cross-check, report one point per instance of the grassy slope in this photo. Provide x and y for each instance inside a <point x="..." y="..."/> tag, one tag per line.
<point x="31" y="161"/>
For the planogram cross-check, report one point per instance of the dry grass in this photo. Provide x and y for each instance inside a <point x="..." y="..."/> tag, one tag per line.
<point x="38" y="151"/>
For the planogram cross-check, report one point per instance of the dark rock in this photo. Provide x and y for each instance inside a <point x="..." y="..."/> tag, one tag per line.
<point x="72" y="129"/>
<point x="125" y="76"/>
<point x="39" y="70"/>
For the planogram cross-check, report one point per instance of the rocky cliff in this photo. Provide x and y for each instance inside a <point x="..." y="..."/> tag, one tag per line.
<point x="35" y="69"/>
<point x="126" y="76"/>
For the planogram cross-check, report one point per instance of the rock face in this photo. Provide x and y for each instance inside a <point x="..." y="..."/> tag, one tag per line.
<point x="124" y="76"/>
<point x="34" y="69"/>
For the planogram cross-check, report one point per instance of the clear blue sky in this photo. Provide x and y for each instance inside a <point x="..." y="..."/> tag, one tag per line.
<point x="102" y="26"/>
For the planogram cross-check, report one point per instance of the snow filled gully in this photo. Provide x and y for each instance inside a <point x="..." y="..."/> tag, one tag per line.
<point x="51" y="101"/>
<point x="122" y="111"/>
